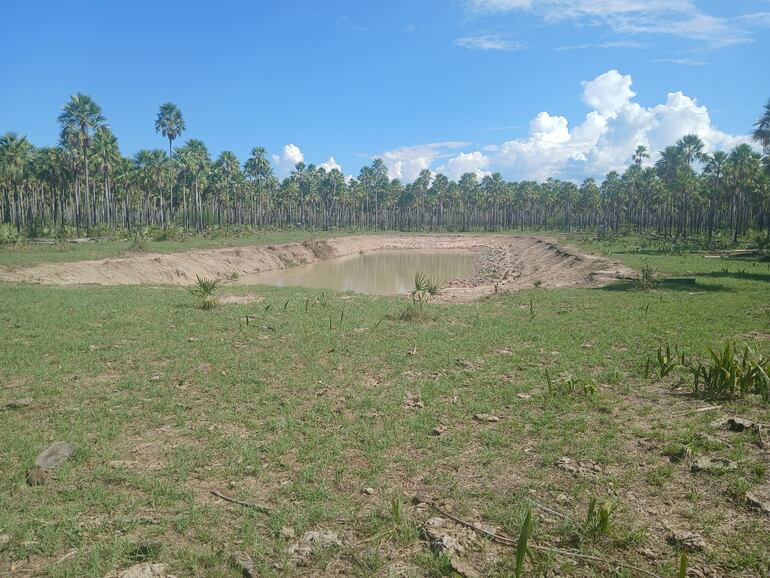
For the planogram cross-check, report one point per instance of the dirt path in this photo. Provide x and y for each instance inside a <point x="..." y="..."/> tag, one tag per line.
<point x="511" y="262"/>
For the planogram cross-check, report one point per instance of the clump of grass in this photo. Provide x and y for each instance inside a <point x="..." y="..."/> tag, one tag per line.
<point x="203" y="289"/>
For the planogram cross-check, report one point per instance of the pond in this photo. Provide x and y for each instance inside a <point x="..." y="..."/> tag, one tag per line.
<point x="376" y="273"/>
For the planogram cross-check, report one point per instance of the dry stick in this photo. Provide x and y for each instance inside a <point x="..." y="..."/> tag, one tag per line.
<point x="258" y="507"/>
<point x="549" y="510"/>
<point x="699" y="410"/>
<point x="511" y="542"/>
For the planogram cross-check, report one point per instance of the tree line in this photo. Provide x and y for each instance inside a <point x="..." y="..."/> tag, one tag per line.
<point x="86" y="183"/>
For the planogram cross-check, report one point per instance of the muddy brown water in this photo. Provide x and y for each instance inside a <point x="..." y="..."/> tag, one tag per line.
<point x="377" y="273"/>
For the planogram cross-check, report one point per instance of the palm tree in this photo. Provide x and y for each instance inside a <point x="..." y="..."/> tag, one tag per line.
<point x="761" y="132"/>
<point x="640" y="154"/>
<point x="714" y="170"/>
<point x="79" y="119"/>
<point x="15" y="156"/>
<point x="258" y="168"/>
<point x="170" y="123"/>
<point x="106" y="155"/>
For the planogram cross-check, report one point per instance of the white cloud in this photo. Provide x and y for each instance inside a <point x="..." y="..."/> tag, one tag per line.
<point x="499" y="5"/>
<point x="285" y="163"/>
<point x="330" y="164"/>
<point x="456" y="167"/>
<point x="405" y="163"/>
<point x="603" y="140"/>
<point x="681" y="18"/>
<point x="608" y="92"/>
<point x="609" y="134"/>
<point x="488" y="42"/>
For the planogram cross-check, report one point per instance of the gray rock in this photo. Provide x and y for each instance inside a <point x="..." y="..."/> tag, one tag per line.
<point x="146" y="570"/>
<point x="311" y="542"/>
<point x="713" y="465"/>
<point x="245" y="564"/>
<point x="18" y="403"/>
<point x="689" y="541"/>
<point x="55" y="455"/>
<point x="738" y="424"/>
<point x="759" y="498"/>
<point x="486" y="417"/>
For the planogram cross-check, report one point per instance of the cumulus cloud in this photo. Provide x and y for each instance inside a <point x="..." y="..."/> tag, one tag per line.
<point x="603" y="140"/>
<point x="290" y="156"/>
<point x="608" y="92"/>
<point x="405" y="163"/>
<point x="456" y="167"/>
<point x="330" y="164"/>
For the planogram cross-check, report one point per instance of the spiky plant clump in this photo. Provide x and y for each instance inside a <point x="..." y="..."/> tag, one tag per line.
<point x="203" y="289"/>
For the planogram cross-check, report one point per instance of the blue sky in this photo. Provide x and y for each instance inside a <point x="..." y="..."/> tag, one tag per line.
<point x="532" y="88"/>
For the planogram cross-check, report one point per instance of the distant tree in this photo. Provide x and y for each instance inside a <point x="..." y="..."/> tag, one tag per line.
<point x="79" y="119"/>
<point x="15" y="156"/>
<point x="170" y="123"/>
<point x="640" y="154"/>
<point x="761" y="132"/>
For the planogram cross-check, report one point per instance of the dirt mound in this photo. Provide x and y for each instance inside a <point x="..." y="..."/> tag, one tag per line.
<point x="508" y="262"/>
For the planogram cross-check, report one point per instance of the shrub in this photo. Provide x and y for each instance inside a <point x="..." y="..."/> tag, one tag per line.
<point x="203" y="289"/>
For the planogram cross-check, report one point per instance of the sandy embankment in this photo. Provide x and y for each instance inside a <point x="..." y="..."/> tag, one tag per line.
<point x="512" y="262"/>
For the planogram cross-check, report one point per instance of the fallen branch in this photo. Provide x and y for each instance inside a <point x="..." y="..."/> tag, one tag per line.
<point x="698" y="410"/>
<point x="572" y="554"/>
<point x="257" y="507"/>
<point x="549" y="510"/>
<point x="505" y="540"/>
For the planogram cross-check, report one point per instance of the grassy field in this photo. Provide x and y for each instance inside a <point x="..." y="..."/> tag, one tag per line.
<point x="323" y="408"/>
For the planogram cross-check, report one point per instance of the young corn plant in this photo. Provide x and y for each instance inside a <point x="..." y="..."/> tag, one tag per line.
<point x="203" y="289"/>
<point x="668" y="360"/>
<point x="598" y="519"/>
<point x="732" y="373"/>
<point x="521" y="546"/>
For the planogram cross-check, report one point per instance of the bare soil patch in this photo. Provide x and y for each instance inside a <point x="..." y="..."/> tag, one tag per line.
<point x="504" y="263"/>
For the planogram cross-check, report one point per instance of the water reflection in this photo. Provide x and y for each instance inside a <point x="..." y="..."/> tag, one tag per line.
<point x="378" y="273"/>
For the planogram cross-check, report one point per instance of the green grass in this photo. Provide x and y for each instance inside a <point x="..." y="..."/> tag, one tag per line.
<point x="167" y="401"/>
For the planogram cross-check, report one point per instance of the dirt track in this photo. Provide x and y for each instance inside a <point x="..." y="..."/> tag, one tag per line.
<point x="513" y="262"/>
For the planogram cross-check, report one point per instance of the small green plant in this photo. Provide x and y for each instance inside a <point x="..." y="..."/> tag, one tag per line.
<point x="668" y="360"/>
<point x="598" y="518"/>
<point x="568" y="385"/>
<point x="647" y="278"/>
<point x="521" y="546"/>
<point x="532" y="312"/>
<point x="732" y="373"/>
<point x="203" y="289"/>
<point x="424" y="289"/>
<point x="682" y="566"/>
<point x="140" y="241"/>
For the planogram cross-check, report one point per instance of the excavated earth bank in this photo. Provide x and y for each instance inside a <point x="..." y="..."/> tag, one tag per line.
<point x="508" y="262"/>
